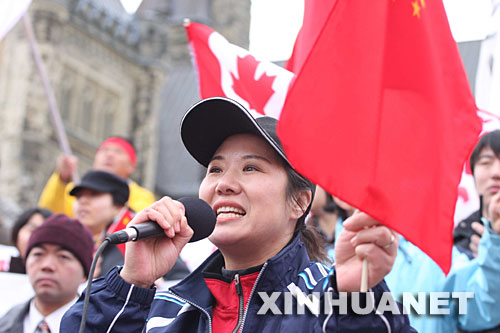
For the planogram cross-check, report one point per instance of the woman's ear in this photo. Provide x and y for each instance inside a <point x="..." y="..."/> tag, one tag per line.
<point x="300" y="204"/>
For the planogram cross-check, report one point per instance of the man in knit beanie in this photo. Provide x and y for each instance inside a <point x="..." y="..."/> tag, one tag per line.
<point x="58" y="260"/>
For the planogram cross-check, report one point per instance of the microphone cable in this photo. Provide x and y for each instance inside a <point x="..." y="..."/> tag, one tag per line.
<point x="89" y="284"/>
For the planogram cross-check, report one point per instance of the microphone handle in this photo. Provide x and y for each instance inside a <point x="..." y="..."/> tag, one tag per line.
<point x="200" y="216"/>
<point x="147" y="229"/>
<point x="135" y="232"/>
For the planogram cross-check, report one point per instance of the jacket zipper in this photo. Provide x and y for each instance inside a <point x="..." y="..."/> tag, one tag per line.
<point x="198" y="307"/>
<point x="250" y="297"/>
<point x="239" y="291"/>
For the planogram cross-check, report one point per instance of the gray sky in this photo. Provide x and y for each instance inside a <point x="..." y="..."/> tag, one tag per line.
<point x="272" y="36"/>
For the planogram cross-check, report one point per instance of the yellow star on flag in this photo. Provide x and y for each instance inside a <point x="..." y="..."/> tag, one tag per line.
<point x="416" y="8"/>
<point x="126" y="220"/>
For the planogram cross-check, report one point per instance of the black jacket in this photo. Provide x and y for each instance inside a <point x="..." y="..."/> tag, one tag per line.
<point x="463" y="233"/>
<point x="187" y="307"/>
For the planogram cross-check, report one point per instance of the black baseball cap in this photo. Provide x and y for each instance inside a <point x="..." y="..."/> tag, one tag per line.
<point x="209" y="122"/>
<point x="104" y="182"/>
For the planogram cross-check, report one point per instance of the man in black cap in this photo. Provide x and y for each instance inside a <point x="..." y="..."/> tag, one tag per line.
<point x="101" y="199"/>
<point x="58" y="258"/>
<point x="101" y="205"/>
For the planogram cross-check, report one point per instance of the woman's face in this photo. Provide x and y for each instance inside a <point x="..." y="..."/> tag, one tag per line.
<point x="246" y="186"/>
<point x="24" y="234"/>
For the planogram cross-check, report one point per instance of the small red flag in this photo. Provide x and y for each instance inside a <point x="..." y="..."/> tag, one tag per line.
<point x="381" y="115"/>
<point x="225" y="69"/>
<point x="120" y="223"/>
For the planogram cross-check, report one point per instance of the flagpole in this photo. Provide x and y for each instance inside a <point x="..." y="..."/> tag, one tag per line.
<point x="364" y="277"/>
<point x="364" y="270"/>
<point x="54" y="110"/>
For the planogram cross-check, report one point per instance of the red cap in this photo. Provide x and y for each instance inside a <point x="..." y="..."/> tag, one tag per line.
<point x="123" y="144"/>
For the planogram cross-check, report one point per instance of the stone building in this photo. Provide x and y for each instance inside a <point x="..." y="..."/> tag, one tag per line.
<point x="177" y="173"/>
<point x="113" y="74"/>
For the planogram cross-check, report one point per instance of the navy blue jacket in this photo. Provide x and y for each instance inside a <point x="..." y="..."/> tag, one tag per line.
<point x="117" y="306"/>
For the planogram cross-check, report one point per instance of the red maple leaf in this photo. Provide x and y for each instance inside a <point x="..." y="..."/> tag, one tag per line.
<point x="256" y="92"/>
<point x="462" y="193"/>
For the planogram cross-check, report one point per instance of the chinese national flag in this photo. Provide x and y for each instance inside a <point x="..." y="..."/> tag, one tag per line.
<point x="227" y="70"/>
<point x="381" y="115"/>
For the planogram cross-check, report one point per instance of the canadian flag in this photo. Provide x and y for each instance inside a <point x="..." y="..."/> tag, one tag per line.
<point x="225" y="69"/>
<point x="468" y="199"/>
<point x="10" y="13"/>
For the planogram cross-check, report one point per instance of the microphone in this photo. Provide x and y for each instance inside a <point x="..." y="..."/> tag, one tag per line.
<point x="200" y="217"/>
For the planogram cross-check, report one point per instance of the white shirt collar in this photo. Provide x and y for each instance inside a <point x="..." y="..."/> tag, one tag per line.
<point x="53" y="320"/>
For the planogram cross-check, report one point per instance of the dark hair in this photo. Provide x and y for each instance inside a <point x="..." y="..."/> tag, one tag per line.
<point x="24" y="218"/>
<point x="332" y="207"/>
<point x="490" y="140"/>
<point x="341" y="212"/>
<point x="309" y="236"/>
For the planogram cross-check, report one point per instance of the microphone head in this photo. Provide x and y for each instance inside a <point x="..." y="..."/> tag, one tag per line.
<point x="200" y="217"/>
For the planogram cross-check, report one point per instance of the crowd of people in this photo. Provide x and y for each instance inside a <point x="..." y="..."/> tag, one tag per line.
<point x="276" y="232"/>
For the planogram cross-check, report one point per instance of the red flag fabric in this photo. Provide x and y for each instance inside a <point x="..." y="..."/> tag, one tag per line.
<point x="316" y="11"/>
<point x="381" y="115"/>
<point x="225" y="69"/>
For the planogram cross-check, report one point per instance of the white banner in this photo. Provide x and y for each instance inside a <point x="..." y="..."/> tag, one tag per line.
<point x="15" y="289"/>
<point x="488" y="70"/>
<point x="10" y="12"/>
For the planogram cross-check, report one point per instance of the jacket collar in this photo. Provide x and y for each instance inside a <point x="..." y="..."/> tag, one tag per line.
<point x="275" y="276"/>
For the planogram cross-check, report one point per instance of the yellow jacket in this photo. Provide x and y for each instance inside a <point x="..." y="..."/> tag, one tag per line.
<point x="55" y="196"/>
